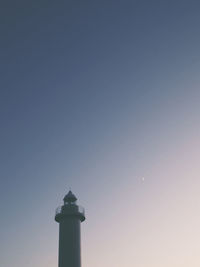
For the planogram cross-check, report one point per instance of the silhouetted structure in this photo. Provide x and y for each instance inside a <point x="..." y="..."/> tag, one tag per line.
<point x="69" y="216"/>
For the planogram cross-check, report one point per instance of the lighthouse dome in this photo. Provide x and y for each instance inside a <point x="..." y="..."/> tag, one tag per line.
<point x="70" y="197"/>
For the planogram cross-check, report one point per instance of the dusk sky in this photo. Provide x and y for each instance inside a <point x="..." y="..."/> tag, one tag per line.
<point x="102" y="97"/>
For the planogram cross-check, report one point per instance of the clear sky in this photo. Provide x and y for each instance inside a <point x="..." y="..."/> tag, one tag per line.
<point x="103" y="97"/>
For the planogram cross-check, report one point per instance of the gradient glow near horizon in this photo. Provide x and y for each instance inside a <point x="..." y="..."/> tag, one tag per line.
<point x="101" y="97"/>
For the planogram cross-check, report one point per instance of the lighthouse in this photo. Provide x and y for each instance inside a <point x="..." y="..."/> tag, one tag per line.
<point x="69" y="216"/>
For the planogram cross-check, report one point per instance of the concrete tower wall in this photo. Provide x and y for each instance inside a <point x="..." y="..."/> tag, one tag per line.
<point x="69" y="242"/>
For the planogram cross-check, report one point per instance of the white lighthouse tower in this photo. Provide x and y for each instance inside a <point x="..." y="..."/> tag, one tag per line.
<point x="69" y="216"/>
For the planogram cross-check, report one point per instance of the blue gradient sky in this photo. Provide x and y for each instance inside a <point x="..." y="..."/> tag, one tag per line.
<point x="103" y="97"/>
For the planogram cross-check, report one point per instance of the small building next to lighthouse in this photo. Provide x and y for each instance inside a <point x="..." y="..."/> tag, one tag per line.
<point x="69" y="216"/>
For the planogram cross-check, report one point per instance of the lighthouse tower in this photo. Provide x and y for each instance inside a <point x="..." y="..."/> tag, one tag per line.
<point x="69" y="216"/>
